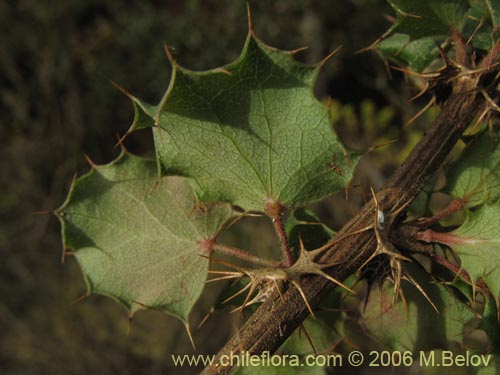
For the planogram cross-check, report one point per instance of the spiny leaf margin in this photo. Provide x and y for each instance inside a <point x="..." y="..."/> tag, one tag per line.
<point x="136" y="236"/>
<point x="249" y="131"/>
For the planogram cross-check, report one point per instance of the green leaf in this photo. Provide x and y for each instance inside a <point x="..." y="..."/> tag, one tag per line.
<point x="482" y="22"/>
<point x="320" y="331"/>
<point x="477" y="242"/>
<point x="303" y="224"/>
<point x="251" y="131"/>
<point x="475" y="176"/>
<point x="426" y="18"/>
<point x="136" y="236"/>
<point x="416" y="326"/>
<point x="421" y="25"/>
<point x="415" y="54"/>
<point x="490" y="323"/>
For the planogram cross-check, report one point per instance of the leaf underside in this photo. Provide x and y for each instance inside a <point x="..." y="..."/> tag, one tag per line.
<point x="479" y="246"/>
<point x="249" y="132"/>
<point x="475" y="176"/>
<point x="135" y="236"/>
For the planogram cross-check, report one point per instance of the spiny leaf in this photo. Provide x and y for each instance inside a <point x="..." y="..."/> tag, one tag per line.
<point x="490" y="323"/>
<point x="421" y="25"/>
<point x="425" y="18"/>
<point x="412" y="323"/>
<point x="136" y="236"/>
<point x="303" y="224"/>
<point x="483" y="20"/>
<point x="415" y="54"/>
<point x="477" y="242"/>
<point x="322" y="331"/>
<point x="251" y="131"/>
<point x="475" y="176"/>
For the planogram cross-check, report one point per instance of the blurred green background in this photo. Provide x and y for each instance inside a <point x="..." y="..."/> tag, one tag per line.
<point x="57" y="60"/>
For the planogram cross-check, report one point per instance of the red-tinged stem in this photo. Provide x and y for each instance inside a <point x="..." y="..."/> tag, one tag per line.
<point x="286" y="254"/>
<point x="455" y="205"/>
<point x="244" y="255"/>
<point x="274" y="210"/>
<point x="460" y="49"/>
<point x="444" y="238"/>
<point x="491" y="57"/>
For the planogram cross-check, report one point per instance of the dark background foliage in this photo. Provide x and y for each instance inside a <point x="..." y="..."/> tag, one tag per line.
<point x="57" y="60"/>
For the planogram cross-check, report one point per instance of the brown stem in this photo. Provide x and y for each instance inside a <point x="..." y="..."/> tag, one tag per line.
<point x="280" y="315"/>
<point x="405" y="237"/>
<point x="244" y="255"/>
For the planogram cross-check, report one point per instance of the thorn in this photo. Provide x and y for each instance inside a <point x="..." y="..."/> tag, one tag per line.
<point x="308" y="258"/>
<point x="249" y="17"/>
<point x="303" y="328"/>
<point x="43" y="212"/>
<point x="231" y="275"/>
<point x="493" y="106"/>
<point x="383" y="144"/>
<point x="169" y="54"/>
<point x="297" y="50"/>
<point x="120" y="141"/>
<point x="420" y="113"/>
<point x="91" y="163"/>
<point x="80" y="299"/>
<point x="421" y="290"/>
<point x="329" y="56"/>
<point x="329" y="103"/>
<point x="205" y="318"/>
<point x="414" y="73"/>
<point x="296" y="284"/>
<point x="190" y="336"/>
<point x="278" y="289"/>
<point x="405" y="303"/>
<point x="479" y="25"/>
<point x="155" y="185"/>
<point x="420" y="93"/>
<point x="371" y="46"/>
<point x="122" y="89"/>
<point x="239" y="292"/>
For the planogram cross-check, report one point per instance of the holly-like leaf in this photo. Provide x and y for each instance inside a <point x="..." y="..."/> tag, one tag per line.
<point x="415" y="54"/>
<point x="136" y="237"/>
<point x="477" y="242"/>
<point x="414" y="324"/>
<point x="426" y="18"/>
<point x="318" y="334"/>
<point x="420" y="25"/>
<point x="482" y="21"/>
<point x="303" y="225"/>
<point x="250" y="132"/>
<point x="475" y="176"/>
